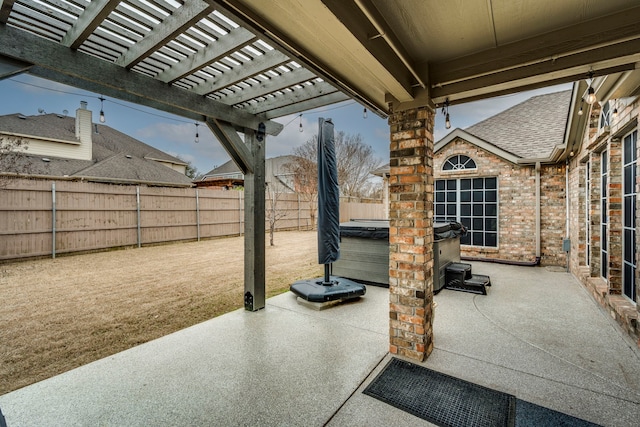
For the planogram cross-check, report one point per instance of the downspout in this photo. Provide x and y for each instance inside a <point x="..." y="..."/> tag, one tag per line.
<point x="537" y="213"/>
<point x="565" y="243"/>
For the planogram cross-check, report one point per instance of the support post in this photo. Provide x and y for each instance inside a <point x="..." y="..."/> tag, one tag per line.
<point x="249" y="157"/>
<point x="139" y="232"/>
<point x="254" y="223"/>
<point x="198" y="214"/>
<point x="411" y="233"/>
<point x="53" y="220"/>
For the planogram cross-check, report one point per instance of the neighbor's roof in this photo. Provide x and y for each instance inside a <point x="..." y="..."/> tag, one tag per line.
<point x="110" y="150"/>
<point x="231" y="167"/>
<point x="531" y="129"/>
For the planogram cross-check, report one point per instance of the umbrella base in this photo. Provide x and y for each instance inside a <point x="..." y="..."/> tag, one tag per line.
<point x="338" y="288"/>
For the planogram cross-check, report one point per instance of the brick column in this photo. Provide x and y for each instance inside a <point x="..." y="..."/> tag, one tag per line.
<point x="411" y="233"/>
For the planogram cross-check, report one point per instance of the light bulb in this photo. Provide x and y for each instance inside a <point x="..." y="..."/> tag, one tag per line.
<point x="197" y="138"/>
<point x="580" y="111"/>
<point x="591" y="96"/>
<point x="615" y="113"/>
<point x="364" y="113"/>
<point x="447" y="122"/>
<point x="300" y="128"/>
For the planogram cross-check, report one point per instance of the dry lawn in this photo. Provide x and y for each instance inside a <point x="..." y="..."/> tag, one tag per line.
<point x="58" y="314"/>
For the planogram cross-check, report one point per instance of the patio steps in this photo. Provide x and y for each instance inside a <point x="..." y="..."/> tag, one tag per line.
<point x="460" y="278"/>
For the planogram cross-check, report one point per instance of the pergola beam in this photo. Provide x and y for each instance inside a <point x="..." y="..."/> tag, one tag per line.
<point x="84" y="26"/>
<point x="233" y="144"/>
<point x="256" y="66"/>
<point x="377" y="41"/>
<point x="285" y="80"/>
<point x="10" y="67"/>
<point x="5" y="10"/>
<point x="87" y="72"/>
<point x="175" y="24"/>
<point x="213" y="52"/>
<point x="309" y="104"/>
<point x="302" y="94"/>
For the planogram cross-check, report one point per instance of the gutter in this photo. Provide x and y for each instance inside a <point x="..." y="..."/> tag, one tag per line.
<point x="390" y="39"/>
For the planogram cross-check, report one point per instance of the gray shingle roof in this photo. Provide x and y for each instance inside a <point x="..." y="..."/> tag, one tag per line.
<point x="228" y="167"/>
<point x="110" y="150"/>
<point x="530" y="129"/>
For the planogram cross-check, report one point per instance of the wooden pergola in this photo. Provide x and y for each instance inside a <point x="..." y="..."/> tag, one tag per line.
<point x="237" y="65"/>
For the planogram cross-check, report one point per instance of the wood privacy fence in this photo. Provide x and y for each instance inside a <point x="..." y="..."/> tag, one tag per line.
<point x="45" y="218"/>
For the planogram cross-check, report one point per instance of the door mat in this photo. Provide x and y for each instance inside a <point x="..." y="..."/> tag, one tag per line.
<point x="531" y="415"/>
<point x="448" y="401"/>
<point x="439" y="398"/>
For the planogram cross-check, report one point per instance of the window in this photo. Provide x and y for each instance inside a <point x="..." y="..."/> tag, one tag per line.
<point x="587" y="202"/>
<point x="459" y="162"/>
<point x="472" y="202"/>
<point x="605" y="118"/>
<point x="629" y="157"/>
<point x="604" y="220"/>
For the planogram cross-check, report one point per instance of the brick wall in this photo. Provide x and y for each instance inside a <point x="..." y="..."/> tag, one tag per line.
<point x="517" y="203"/>
<point x="606" y="292"/>
<point x="553" y="214"/>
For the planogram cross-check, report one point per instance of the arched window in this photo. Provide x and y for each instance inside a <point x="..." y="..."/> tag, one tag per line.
<point x="458" y="162"/>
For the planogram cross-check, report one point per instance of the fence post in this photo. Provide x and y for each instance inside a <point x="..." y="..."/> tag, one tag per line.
<point x="53" y="220"/>
<point x="198" y="213"/>
<point x="298" y="194"/>
<point x="240" y="216"/>
<point x="138" y="212"/>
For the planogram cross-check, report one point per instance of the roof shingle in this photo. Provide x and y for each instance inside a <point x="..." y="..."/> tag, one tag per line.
<point x="530" y="129"/>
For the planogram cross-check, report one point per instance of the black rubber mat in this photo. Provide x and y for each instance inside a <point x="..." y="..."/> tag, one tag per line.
<point x="441" y="399"/>
<point x="531" y="415"/>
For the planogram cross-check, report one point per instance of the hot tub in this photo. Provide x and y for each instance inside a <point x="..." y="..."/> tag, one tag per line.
<point x="364" y="251"/>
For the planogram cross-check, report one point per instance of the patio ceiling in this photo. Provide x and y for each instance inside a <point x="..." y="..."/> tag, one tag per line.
<point x="461" y="50"/>
<point x="249" y="61"/>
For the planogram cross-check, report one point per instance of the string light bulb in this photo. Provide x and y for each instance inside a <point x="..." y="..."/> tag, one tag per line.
<point x="300" y="129"/>
<point x="445" y="111"/>
<point x="364" y="113"/>
<point x="614" y="114"/>
<point x="102" y="119"/>
<point x="197" y="134"/>
<point x="591" y="93"/>
<point x="580" y="110"/>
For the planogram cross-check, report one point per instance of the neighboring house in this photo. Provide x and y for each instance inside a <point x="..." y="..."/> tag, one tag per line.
<point x="229" y="176"/>
<point x="553" y="181"/>
<point x="76" y="148"/>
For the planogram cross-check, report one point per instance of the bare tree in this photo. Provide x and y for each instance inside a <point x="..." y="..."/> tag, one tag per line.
<point x="355" y="162"/>
<point x="305" y="171"/>
<point x="274" y="211"/>
<point x="13" y="159"/>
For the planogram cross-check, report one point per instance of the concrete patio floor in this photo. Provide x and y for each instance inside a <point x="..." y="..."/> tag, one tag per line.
<point x="538" y="335"/>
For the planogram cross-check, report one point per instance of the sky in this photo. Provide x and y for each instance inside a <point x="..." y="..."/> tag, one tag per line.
<point x="175" y="135"/>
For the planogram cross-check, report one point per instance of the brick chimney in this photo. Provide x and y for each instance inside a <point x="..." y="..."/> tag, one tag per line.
<point x="83" y="131"/>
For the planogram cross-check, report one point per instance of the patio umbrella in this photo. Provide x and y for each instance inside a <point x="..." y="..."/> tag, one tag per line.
<point x="328" y="198"/>
<point x="328" y="289"/>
